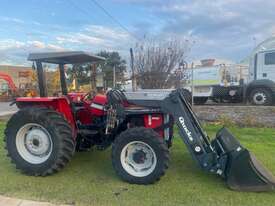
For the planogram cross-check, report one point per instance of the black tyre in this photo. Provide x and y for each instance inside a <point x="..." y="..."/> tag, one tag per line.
<point x="200" y="100"/>
<point x="39" y="141"/>
<point x="140" y="156"/>
<point x="260" y="96"/>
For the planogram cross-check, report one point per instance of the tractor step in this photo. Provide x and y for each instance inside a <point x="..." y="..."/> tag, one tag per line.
<point x="86" y="132"/>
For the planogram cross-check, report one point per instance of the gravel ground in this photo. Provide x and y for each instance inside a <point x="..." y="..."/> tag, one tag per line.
<point x="6" y="110"/>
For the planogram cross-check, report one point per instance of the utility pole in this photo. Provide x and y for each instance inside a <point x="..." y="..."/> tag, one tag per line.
<point x="192" y="88"/>
<point x="134" y="83"/>
<point x="93" y="76"/>
<point x="114" y="77"/>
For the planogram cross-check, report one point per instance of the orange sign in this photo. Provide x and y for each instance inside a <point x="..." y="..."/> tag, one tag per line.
<point x="25" y="74"/>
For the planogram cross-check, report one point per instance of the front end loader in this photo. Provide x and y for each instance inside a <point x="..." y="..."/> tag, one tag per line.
<point x="43" y="135"/>
<point x="224" y="155"/>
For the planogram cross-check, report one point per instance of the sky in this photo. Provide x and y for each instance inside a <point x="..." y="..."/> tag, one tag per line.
<point x="226" y="29"/>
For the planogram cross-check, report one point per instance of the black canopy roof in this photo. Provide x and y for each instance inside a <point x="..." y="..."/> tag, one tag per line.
<point x="69" y="57"/>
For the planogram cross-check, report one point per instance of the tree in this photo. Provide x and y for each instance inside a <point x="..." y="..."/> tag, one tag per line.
<point x="53" y="81"/>
<point x="156" y="61"/>
<point x="81" y="73"/>
<point x="113" y="59"/>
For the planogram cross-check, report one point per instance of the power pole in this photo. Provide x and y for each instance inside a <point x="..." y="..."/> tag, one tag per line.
<point x="192" y="88"/>
<point x="93" y="76"/>
<point x="134" y="82"/>
<point x="114" y="77"/>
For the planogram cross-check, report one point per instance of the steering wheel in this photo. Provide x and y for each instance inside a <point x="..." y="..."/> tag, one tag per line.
<point x="87" y="98"/>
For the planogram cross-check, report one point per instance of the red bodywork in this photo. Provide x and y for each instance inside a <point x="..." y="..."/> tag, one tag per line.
<point x="76" y="96"/>
<point x="154" y="121"/>
<point x="59" y="104"/>
<point x="91" y="109"/>
<point x="86" y="112"/>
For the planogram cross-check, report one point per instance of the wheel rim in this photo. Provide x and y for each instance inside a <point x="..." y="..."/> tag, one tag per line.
<point x="34" y="143"/>
<point x="259" y="98"/>
<point x="138" y="159"/>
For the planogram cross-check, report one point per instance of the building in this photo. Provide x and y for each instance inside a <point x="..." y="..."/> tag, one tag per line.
<point x="211" y="62"/>
<point x="20" y="75"/>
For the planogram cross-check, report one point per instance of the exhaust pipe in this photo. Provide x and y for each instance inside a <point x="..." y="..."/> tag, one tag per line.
<point x="243" y="172"/>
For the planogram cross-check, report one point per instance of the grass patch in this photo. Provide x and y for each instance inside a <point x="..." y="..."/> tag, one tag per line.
<point x="90" y="179"/>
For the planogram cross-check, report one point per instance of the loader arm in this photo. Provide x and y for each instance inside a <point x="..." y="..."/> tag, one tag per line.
<point x="224" y="155"/>
<point x="191" y="131"/>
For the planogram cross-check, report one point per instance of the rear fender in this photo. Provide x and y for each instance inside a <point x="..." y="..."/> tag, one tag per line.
<point x="59" y="104"/>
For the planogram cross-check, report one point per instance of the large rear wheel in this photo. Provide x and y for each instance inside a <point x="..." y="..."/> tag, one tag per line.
<point x="39" y="141"/>
<point x="140" y="156"/>
<point x="261" y="96"/>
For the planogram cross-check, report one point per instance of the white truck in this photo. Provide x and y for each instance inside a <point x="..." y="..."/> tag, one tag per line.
<point x="217" y="82"/>
<point x="260" y="89"/>
<point x="235" y="83"/>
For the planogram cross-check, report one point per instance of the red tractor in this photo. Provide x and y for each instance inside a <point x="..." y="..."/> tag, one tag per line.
<point x="42" y="136"/>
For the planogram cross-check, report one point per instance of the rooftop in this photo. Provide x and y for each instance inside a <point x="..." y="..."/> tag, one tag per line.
<point x="69" y="57"/>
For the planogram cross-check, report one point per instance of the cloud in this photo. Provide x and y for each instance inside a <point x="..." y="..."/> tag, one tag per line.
<point x="36" y="23"/>
<point x="7" y="44"/>
<point x="12" y="19"/>
<point x="220" y="27"/>
<point x="95" y="35"/>
<point x="139" y="1"/>
<point x="79" y="38"/>
<point x="92" y="38"/>
<point x="96" y="38"/>
<point x="107" y="32"/>
<point x="15" y="52"/>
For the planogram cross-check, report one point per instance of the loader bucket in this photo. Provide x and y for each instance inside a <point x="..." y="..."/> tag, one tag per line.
<point x="243" y="171"/>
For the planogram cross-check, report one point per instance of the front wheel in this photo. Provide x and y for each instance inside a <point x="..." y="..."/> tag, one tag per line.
<point x="140" y="156"/>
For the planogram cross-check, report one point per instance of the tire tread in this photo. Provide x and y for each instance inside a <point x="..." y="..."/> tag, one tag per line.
<point x="61" y="126"/>
<point x="146" y="134"/>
